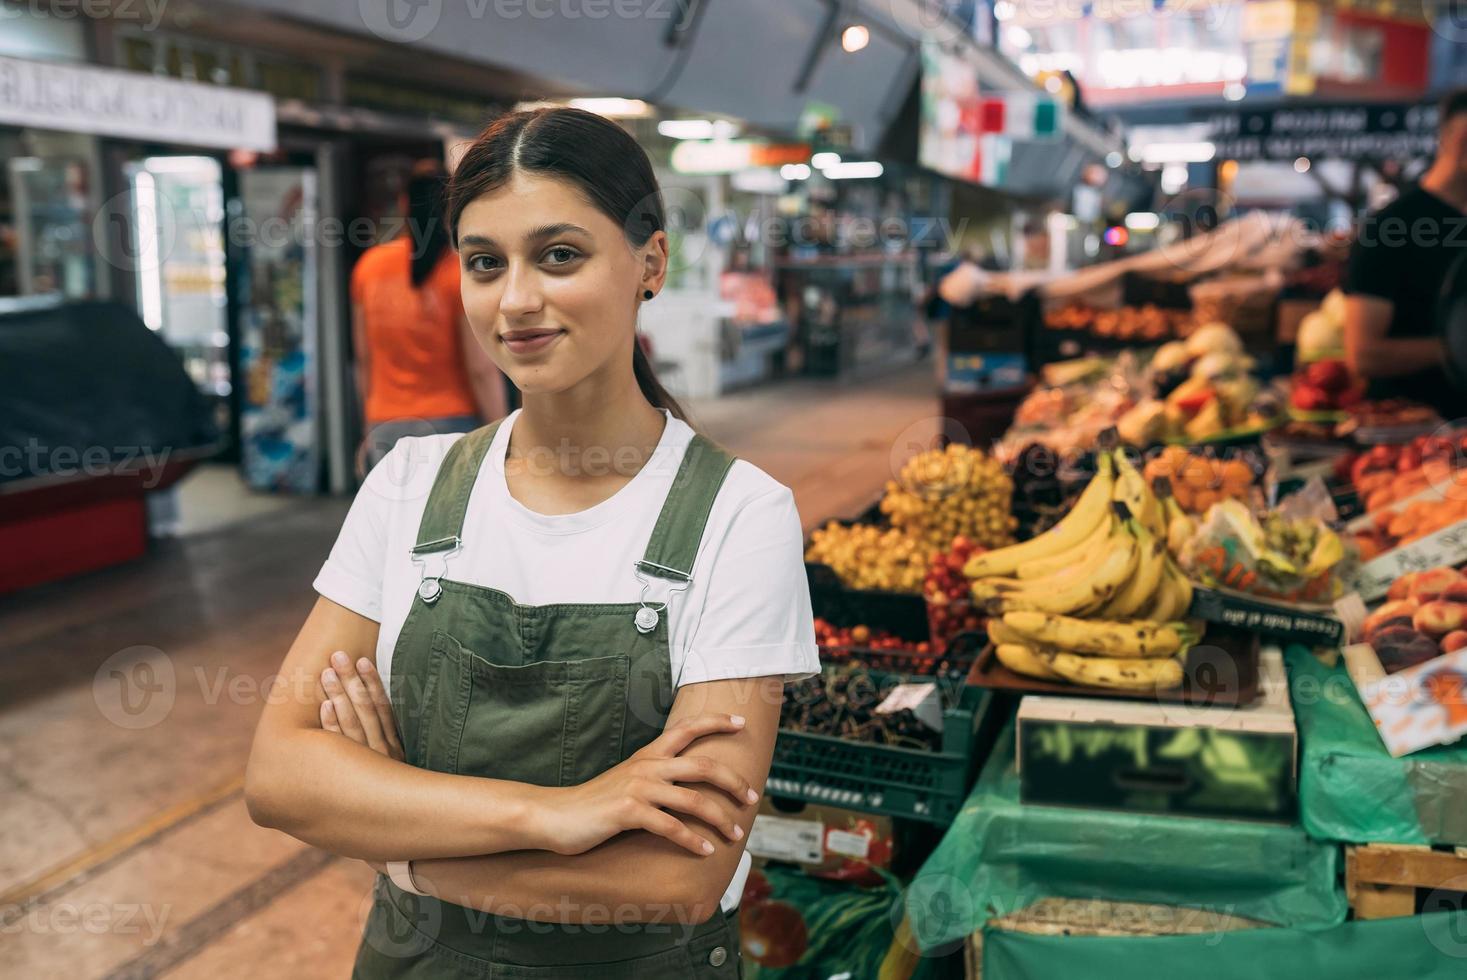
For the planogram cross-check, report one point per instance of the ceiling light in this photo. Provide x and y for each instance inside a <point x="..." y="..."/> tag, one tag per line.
<point x="853" y="170"/>
<point x="613" y="107"/>
<point x="855" y="37"/>
<point x="686" y="129"/>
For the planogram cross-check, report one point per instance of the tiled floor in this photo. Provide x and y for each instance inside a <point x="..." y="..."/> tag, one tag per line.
<point x="125" y="848"/>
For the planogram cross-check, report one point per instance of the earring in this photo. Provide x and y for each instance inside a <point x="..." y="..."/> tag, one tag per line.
<point x="646" y="294"/>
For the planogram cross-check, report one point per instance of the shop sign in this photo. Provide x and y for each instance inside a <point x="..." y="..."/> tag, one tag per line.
<point x="729" y="156"/>
<point x="108" y="102"/>
<point x="1343" y="131"/>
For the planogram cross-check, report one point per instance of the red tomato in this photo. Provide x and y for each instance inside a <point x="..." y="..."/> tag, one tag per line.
<point x="773" y="933"/>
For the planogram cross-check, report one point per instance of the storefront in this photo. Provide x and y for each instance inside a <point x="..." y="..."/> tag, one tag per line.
<point x="228" y="213"/>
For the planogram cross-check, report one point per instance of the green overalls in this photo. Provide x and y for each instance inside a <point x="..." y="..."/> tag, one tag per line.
<point x="552" y="695"/>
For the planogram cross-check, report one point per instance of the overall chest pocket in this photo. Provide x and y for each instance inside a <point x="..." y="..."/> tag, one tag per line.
<point x="551" y="723"/>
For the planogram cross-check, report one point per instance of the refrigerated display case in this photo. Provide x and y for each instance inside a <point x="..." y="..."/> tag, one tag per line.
<point x="177" y="220"/>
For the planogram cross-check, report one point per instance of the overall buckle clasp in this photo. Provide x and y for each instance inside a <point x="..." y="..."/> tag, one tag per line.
<point x="650" y="612"/>
<point x="429" y="585"/>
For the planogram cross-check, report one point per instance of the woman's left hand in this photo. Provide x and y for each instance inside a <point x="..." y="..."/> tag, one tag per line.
<point x="358" y="707"/>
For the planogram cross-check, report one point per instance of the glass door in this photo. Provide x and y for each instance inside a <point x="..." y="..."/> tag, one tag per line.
<point x="274" y="221"/>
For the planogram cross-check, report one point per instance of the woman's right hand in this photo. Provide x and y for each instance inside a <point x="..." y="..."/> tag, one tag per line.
<point x="637" y="793"/>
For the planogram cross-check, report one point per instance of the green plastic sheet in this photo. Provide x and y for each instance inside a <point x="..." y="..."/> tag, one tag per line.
<point x="845" y="929"/>
<point x="1350" y="788"/>
<point x="1424" y="947"/>
<point x="1000" y="856"/>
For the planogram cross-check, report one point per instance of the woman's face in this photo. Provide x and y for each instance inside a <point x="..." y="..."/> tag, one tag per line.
<point x="550" y="284"/>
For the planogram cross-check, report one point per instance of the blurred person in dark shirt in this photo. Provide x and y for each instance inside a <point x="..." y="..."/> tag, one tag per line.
<point x="1397" y="268"/>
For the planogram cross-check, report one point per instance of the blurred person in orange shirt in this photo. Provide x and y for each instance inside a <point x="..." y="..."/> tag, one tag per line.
<point x="419" y="369"/>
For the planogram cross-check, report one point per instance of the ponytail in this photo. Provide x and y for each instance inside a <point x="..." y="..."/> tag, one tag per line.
<point x="652" y="389"/>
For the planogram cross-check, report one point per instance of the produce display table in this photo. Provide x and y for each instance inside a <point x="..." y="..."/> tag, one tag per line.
<point x="1350" y="788"/>
<point x="1000" y="856"/>
<point x="1424" y="947"/>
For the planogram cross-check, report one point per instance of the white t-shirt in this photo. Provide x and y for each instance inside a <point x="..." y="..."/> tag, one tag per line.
<point x="746" y="613"/>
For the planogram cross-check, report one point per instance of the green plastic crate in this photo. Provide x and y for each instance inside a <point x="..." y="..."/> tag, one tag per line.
<point x="911" y="784"/>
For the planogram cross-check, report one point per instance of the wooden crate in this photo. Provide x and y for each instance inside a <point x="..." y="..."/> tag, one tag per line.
<point x="1094" y="917"/>
<point x="1382" y="880"/>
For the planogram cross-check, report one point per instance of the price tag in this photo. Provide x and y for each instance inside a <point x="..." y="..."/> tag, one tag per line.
<point x="1446" y="547"/>
<point x="847" y="844"/>
<point x="923" y="700"/>
<point x="787" y="839"/>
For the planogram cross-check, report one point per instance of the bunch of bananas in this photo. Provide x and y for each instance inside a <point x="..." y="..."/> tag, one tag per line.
<point x="1095" y="599"/>
<point x="869" y="557"/>
<point x="943" y="493"/>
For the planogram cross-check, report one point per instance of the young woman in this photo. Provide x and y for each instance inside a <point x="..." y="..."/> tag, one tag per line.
<point x="419" y="369"/>
<point x="550" y="652"/>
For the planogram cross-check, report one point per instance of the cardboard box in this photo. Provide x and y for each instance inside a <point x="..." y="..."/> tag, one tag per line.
<point x="1164" y="758"/>
<point x="827" y="841"/>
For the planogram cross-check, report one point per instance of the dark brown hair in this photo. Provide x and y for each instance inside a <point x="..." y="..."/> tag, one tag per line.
<point x="429" y="237"/>
<point x="1451" y="105"/>
<point x="595" y="155"/>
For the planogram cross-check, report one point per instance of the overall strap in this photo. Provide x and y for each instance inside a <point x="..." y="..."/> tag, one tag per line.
<point x="443" y="517"/>
<point x="679" y="529"/>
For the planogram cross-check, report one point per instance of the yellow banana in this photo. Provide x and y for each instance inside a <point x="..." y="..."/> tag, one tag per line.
<point x="1173" y="597"/>
<point x="1124" y="674"/>
<point x="1022" y="660"/>
<point x="1115" y="566"/>
<point x="1092" y="508"/>
<point x="1183" y="586"/>
<point x="998" y="633"/>
<point x="1042" y="567"/>
<point x="1138" y="590"/>
<point x="1180" y="526"/>
<point x="1110" y="639"/>
<point x="1077" y="569"/>
<point x="1131" y="490"/>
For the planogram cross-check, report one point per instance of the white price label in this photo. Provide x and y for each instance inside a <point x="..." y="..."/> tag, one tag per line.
<point x="1446" y="547"/>
<point x="847" y="844"/>
<point x="787" y="839"/>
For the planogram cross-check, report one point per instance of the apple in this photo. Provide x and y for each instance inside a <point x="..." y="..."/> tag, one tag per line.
<point x="1438" y="618"/>
<point x="1401" y="648"/>
<point x="1309" y="398"/>
<point x="1454" y="641"/>
<point x="1383" y="618"/>
<point x="1456" y="592"/>
<point x="1330" y="375"/>
<point x="1431" y="583"/>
